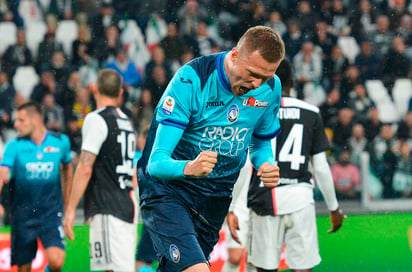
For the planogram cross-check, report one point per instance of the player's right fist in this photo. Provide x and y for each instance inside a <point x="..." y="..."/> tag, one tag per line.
<point x="202" y="165"/>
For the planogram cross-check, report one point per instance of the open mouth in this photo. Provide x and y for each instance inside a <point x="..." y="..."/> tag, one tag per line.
<point x="243" y="90"/>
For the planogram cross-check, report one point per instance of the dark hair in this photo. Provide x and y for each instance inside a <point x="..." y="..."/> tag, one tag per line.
<point x="31" y="107"/>
<point x="285" y="74"/>
<point x="264" y="40"/>
<point x="109" y="83"/>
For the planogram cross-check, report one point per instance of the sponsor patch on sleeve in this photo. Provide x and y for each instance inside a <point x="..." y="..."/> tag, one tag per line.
<point x="168" y="105"/>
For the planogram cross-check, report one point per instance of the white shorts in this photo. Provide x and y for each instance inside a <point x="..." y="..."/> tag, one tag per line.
<point x="242" y="233"/>
<point x="297" y="230"/>
<point x="112" y="244"/>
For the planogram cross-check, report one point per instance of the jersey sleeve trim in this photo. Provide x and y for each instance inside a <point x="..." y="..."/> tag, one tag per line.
<point x="267" y="137"/>
<point x="174" y="123"/>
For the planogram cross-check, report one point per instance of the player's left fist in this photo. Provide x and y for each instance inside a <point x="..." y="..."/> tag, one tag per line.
<point x="269" y="174"/>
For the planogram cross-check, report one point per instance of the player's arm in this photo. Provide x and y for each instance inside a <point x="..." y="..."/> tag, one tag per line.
<point x="7" y="162"/>
<point x="94" y="133"/>
<point x="324" y="178"/>
<point x="80" y="181"/>
<point x="239" y="199"/>
<point x="173" y="114"/>
<point x="261" y="155"/>
<point x="67" y="181"/>
<point x="161" y="164"/>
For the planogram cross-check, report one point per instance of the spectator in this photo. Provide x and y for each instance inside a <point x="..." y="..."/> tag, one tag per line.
<point x="127" y="69"/>
<point x="381" y="38"/>
<point x="334" y="67"/>
<point x="396" y="12"/>
<point x="68" y="94"/>
<point x="357" y="143"/>
<point x="324" y="39"/>
<point x="308" y="66"/>
<point x="202" y="44"/>
<point x="7" y="94"/>
<point x="383" y="160"/>
<point x="368" y="63"/>
<point x="363" y="20"/>
<point x="330" y="108"/>
<point x="350" y="79"/>
<point x="74" y="134"/>
<point x="404" y="132"/>
<point x="53" y="114"/>
<point x="346" y="177"/>
<point x="46" y="48"/>
<point x="275" y="22"/>
<point x="173" y="45"/>
<point x="405" y="30"/>
<point x="395" y="63"/>
<point x="82" y="106"/>
<point x="82" y="47"/>
<point x="107" y="47"/>
<point x="158" y="58"/>
<point x="307" y="17"/>
<point x="254" y="15"/>
<point x="16" y="55"/>
<point x="143" y="111"/>
<point x="340" y="21"/>
<point x="189" y="15"/>
<point x="402" y="178"/>
<point x="157" y="84"/>
<point x="102" y="21"/>
<point x="360" y="103"/>
<point x="343" y="129"/>
<point x="293" y="38"/>
<point x="47" y="85"/>
<point x="372" y="124"/>
<point x="60" y="69"/>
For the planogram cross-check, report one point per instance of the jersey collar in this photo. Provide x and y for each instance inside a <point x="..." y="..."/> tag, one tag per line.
<point x="220" y="64"/>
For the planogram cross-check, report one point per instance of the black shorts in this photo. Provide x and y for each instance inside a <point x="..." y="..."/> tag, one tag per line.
<point x="24" y="234"/>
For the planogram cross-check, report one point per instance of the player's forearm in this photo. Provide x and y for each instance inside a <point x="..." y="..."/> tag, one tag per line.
<point x="261" y="152"/>
<point x="80" y="181"/>
<point x="4" y="175"/>
<point x="67" y="182"/>
<point x="324" y="178"/>
<point x="161" y="164"/>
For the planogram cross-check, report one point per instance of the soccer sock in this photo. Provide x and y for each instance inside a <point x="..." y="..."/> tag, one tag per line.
<point x="229" y="267"/>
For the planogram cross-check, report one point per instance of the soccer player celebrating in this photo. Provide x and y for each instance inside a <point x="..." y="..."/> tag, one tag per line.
<point x="286" y="213"/>
<point x="105" y="169"/>
<point x="212" y="110"/>
<point x="33" y="161"/>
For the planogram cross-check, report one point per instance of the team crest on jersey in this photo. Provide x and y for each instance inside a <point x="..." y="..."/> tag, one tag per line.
<point x="174" y="253"/>
<point x="253" y="102"/>
<point x="168" y="105"/>
<point x="51" y="149"/>
<point x="233" y="113"/>
<point x="39" y="155"/>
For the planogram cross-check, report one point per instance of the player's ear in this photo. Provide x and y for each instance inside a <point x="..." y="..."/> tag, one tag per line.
<point x="235" y="54"/>
<point x="121" y="92"/>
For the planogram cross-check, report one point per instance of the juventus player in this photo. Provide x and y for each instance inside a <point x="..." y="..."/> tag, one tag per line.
<point x="104" y="174"/>
<point x="286" y="213"/>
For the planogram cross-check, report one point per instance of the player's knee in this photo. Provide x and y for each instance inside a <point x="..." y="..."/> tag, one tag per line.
<point x="235" y="255"/>
<point x="235" y="259"/>
<point x="56" y="263"/>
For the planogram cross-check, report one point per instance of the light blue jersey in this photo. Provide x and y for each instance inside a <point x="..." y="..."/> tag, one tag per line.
<point x="35" y="173"/>
<point x="199" y="101"/>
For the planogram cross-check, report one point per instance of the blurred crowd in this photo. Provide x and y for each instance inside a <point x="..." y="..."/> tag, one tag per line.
<point x="344" y="53"/>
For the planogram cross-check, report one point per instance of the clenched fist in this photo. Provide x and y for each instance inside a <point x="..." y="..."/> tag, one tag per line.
<point x="202" y="165"/>
<point x="269" y="174"/>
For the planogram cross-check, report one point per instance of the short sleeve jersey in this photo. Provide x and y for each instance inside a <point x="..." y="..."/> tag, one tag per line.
<point x="199" y="101"/>
<point x="35" y="173"/>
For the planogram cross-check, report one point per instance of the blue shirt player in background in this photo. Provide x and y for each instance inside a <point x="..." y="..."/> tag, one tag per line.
<point x="213" y="110"/>
<point x="33" y="161"/>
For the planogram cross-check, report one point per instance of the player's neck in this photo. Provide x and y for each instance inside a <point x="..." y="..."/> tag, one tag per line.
<point x="38" y="135"/>
<point x="105" y="101"/>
